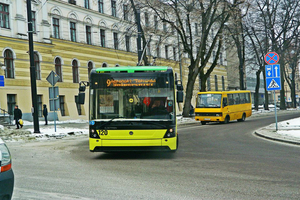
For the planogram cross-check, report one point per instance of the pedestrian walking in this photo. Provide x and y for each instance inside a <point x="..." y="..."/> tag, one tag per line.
<point x="18" y="116"/>
<point x="45" y="113"/>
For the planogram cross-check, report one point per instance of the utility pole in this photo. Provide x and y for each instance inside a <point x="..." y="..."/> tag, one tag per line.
<point x="139" y="46"/>
<point x="32" y="69"/>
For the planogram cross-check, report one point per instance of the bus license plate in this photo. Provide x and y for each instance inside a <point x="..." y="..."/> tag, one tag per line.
<point x="206" y="118"/>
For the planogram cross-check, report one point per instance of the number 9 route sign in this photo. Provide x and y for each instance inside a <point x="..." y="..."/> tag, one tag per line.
<point x="271" y="58"/>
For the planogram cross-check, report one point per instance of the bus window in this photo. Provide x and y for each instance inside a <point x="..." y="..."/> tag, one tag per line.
<point x="209" y="101"/>
<point x="236" y="98"/>
<point x="230" y="99"/>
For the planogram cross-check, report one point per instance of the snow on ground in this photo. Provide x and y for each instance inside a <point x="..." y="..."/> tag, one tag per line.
<point x="80" y="127"/>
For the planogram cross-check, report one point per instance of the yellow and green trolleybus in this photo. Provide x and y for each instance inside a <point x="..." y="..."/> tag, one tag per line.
<point x="223" y="106"/>
<point x="133" y="108"/>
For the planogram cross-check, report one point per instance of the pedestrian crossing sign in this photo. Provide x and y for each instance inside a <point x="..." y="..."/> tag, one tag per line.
<point x="273" y="81"/>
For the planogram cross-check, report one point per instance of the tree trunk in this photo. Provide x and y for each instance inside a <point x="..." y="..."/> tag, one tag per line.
<point x="266" y="104"/>
<point x="256" y="94"/>
<point x="189" y="92"/>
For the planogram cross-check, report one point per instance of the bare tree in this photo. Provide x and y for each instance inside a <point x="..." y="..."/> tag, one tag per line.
<point x="211" y="17"/>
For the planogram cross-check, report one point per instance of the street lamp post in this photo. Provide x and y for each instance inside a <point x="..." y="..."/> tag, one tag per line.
<point x="32" y="70"/>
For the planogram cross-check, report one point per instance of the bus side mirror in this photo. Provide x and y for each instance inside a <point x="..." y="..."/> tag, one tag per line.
<point x="224" y="102"/>
<point x="179" y="96"/>
<point x="82" y="88"/>
<point x="81" y="98"/>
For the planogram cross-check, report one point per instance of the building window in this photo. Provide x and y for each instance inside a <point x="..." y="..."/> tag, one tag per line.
<point x="214" y="55"/>
<point x="62" y="105"/>
<point x="55" y="27"/>
<point x="208" y="84"/>
<point x="223" y="83"/>
<point x="157" y="51"/>
<point x="116" y="42"/>
<point x="100" y="6"/>
<point x="9" y="64"/>
<point x="165" y="27"/>
<point x="155" y="22"/>
<point x="73" y="31"/>
<point x="72" y="2"/>
<point x="33" y="21"/>
<point x="88" y="34"/>
<point x="37" y="66"/>
<point x="174" y="53"/>
<point x="102" y="37"/>
<point x="4" y="16"/>
<point x="221" y="59"/>
<point x="114" y="8"/>
<point x="187" y="27"/>
<point x="58" y="69"/>
<point x="40" y="105"/>
<point x="127" y="42"/>
<point x="11" y="102"/>
<point x="87" y="4"/>
<point x="166" y="51"/>
<point x="90" y="67"/>
<point x="146" y="19"/>
<point x="78" y="106"/>
<point x="216" y="83"/>
<point x="104" y="65"/>
<point x="75" y="71"/>
<point x="125" y="12"/>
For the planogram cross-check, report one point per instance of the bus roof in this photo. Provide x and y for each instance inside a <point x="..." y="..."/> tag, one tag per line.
<point x="225" y="92"/>
<point x="132" y="69"/>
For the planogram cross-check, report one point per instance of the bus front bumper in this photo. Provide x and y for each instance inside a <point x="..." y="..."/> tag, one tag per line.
<point x="164" y="144"/>
<point x="209" y="118"/>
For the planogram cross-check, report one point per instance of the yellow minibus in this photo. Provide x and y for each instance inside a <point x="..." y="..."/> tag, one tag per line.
<point x="223" y="106"/>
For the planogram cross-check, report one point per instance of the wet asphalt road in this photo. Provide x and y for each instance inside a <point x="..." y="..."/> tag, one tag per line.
<point x="215" y="161"/>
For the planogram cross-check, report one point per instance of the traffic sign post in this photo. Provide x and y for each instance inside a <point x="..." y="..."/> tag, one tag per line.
<point x="273" y="81"/>
<point x="53" y="94"/>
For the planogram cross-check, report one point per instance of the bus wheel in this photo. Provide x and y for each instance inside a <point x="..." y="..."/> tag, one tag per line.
<point x="227" y="119"/>
<point x="203" y="123"/>
<point x="243" y="118"/>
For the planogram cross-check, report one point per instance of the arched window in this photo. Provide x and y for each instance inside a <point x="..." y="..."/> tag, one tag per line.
<point x="90" y="67"/>
<point x="75" y="71"/>
<point x="37" y="66"/>
<point x="9" y="64"/>
<point x="58" y="69"/>
<point x="104" y="65"/>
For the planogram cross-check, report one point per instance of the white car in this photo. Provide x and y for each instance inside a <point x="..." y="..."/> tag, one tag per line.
<point x="6" y="173"/>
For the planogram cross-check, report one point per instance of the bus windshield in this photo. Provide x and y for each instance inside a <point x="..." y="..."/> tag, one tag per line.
<point x="209" y="101"/>
<point x="134" y="103"/>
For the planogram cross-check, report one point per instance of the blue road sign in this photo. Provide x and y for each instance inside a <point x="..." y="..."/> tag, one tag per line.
<point x="1" y="81"/>
<point x="273" y="81"/>
<point x="271" y="58"/>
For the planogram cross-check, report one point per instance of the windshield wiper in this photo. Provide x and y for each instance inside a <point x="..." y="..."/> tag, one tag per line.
<point x="109" y="121"/>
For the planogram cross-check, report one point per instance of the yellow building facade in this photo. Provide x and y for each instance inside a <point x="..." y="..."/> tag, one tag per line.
<point x="71" y="39"/>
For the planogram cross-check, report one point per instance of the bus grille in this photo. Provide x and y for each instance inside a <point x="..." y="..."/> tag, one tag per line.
<point x="209" y="114"/>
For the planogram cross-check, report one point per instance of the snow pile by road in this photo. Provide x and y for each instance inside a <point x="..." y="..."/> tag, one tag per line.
<point x="80" y="127"/>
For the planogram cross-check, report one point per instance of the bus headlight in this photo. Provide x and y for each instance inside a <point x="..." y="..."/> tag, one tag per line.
<point x="94" y="134"/>
<point x="170" y="133"/>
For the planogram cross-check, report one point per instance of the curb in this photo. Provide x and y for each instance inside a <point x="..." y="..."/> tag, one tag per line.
<point x="272" y="135"/>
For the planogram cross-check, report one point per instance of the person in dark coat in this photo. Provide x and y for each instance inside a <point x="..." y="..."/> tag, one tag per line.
<point x="17" y="116"/>
<point x="45" y="113"/>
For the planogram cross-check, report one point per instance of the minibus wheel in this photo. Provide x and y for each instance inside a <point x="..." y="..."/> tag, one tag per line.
<point x="203" y="123"/>
<point x="243" y="118"/>
<point x="227" y="119"/>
